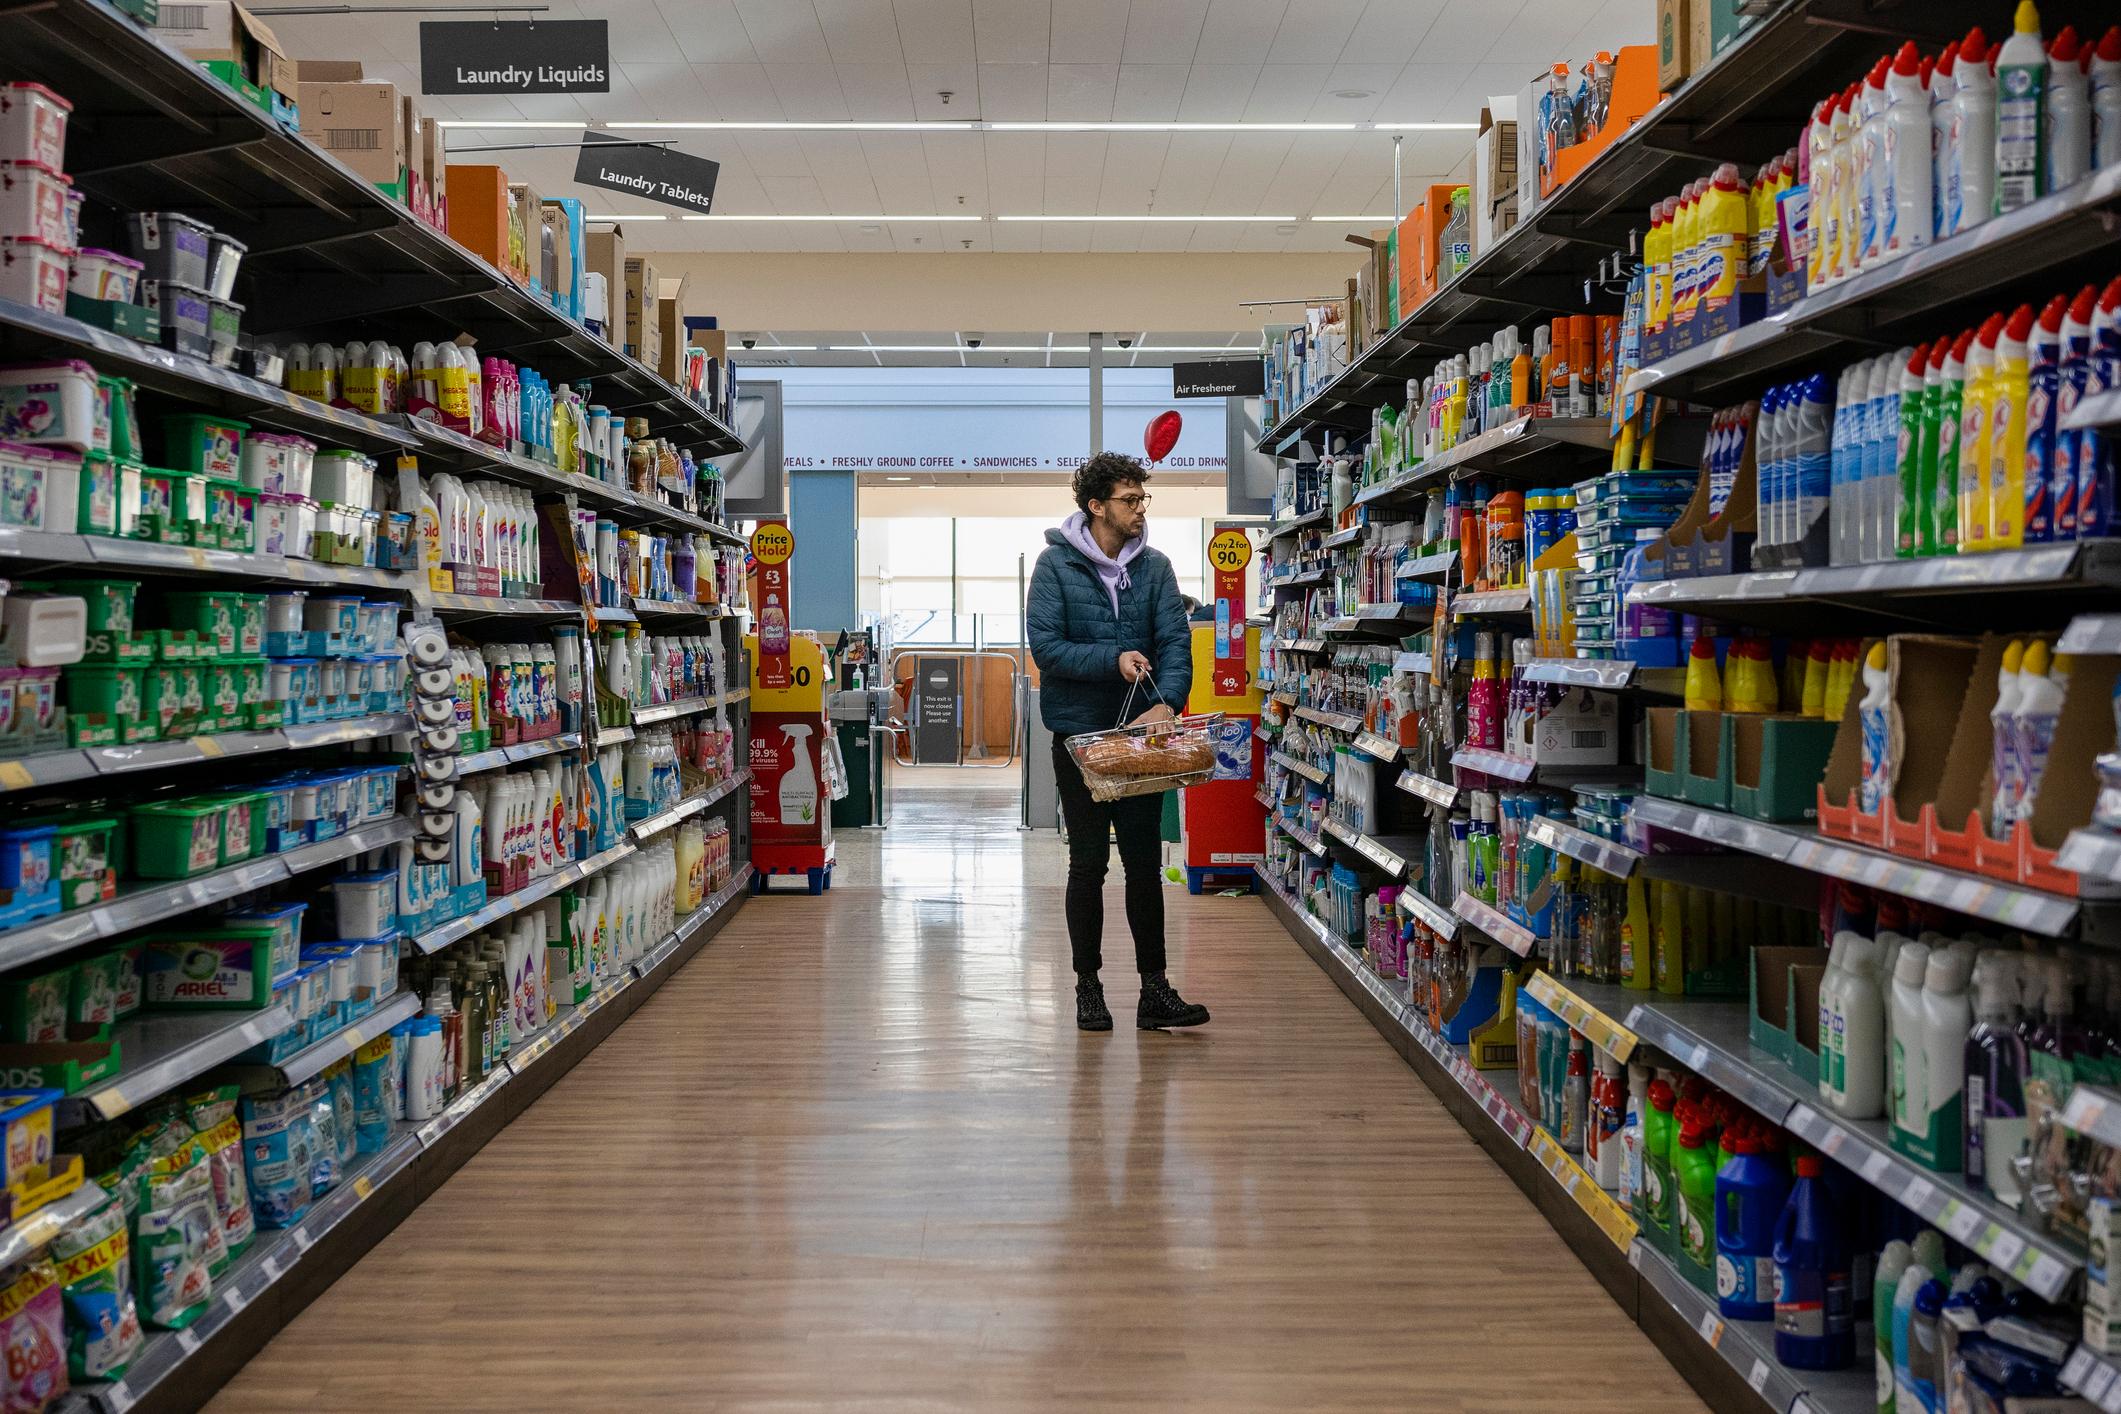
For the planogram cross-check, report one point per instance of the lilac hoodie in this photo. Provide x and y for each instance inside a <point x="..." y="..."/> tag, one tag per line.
<point x="1112" y="573"/>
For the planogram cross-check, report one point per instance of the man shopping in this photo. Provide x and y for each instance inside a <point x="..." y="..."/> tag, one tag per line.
<point x="1105" y="617"/>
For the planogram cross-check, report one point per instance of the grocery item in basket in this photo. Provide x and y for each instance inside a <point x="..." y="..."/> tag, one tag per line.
<point x="93" y="1255"/>
<point x="1233" y="749"/>
<point x="1131" y="755"/>
<point x="33" y="1336"/>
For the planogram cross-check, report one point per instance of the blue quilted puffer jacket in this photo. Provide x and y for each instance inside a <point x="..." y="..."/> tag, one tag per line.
<point x="1076" y="639"/>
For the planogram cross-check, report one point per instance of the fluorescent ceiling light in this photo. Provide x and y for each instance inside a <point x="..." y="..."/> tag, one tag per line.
<point x="898" y="478"/>
<point x="1110" y="348"/>
<point x="1118" y="217"/>
<point x="935" y="127"/>
<point x="859" y="220"/>
<point x="1068" y="127"/>
<point x="775" y="348"/>
<point x="504" y="123"/>
<point x="1425" y="127"/>
<point x="628" y="216"/>
<point x="958" y="126"/>
<point x="1341" y="220"/>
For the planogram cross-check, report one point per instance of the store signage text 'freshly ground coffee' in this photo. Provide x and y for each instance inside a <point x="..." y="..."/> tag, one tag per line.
<point x="512" y="57"/>
<point x="658" y="173"/>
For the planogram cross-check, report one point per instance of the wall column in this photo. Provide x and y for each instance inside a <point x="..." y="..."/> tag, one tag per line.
<point x="821" y="512"/>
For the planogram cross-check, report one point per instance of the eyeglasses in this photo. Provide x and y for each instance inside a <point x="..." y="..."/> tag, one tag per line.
<point x="1138" y="501"/>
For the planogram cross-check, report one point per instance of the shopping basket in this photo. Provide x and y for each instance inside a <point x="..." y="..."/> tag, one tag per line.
<point x="1148" y="758"/>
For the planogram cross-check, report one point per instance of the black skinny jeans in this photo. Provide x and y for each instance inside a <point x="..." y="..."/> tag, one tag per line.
<point x="1137" y="820"/>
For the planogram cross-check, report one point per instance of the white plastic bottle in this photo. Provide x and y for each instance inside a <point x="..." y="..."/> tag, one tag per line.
<point x="2003" y="739"/>
<point x="1908" y="157"/>
<point x="1947" y="1016"/>
<point x="1861" y="1042"/>
<point x="2106" y="99"/>
<point x="1881" y="471"/>
<point x="2069" y="111"/>
<point x="1873" y="715"/>
<point x="1874" y="170"/>
<point x="1909" y="1092"/>
<point x="1973" y="132"/>
<point x="1942" y="86"/>
<point x="2043" y="683"/>
<point x="2021" y="112"/>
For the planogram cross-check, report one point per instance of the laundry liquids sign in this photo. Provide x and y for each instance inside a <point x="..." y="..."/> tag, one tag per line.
<point x="511" y="57"/>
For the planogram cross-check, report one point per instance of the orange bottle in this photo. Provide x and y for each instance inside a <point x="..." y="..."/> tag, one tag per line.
<point x="1583" y="364"/>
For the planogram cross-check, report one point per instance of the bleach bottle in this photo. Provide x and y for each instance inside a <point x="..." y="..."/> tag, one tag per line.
<point x="1815" y="1318"/>
<point x="2106" y="99"/>
<point x="1752" y="1188"/>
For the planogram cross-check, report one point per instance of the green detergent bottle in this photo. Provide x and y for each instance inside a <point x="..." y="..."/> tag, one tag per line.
<point x="1659" y="1188"/>
<point x="1694" y="1213"/>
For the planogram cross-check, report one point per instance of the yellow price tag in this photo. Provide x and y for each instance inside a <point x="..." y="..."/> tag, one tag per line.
<point x="15" y="776"/>
<point x="198" y="558"/>
<point x="362" y="1186"/>
<point x="208" y="747"/>
<point x="354" y="1038"/>
<point x="772" y="543"/>
<point x="108" y="1102"/>
<point x="1230" y="550"/>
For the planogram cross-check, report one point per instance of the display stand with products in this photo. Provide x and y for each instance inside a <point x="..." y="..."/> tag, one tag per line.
<point x="371" y="709"/>
<point x="1747" y="684"/>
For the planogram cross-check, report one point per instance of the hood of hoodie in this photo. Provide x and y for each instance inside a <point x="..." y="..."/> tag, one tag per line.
<point x="1111" y="570"/>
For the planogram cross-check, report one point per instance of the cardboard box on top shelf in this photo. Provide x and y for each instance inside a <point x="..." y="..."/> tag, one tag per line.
<point x="434" y="165"/>
<point x="1929" y="682"/>
<point x="232" y="42"/>
<point x="1528" y="138"/>
<point x="2069" y="786"/>
<point x="1675" y="28"/>
<point x="525" y="235"/>
<point x="479" y="207"/>
<point x="1422" y="231"/>
<point x="1713" y="26"/>
<point x="1406" y="246"/>
<point x="360" y="124"/>
<point x="643" y="332"/>
<point x="1772" y="1023"/>
<point x="715" y="342"/>
<point x="1495" y="173"/>
<point x="412" y="134"/>
<point x="670" y="341"/>
<point x="604" y="253"/>
<point x="328" y="71"/>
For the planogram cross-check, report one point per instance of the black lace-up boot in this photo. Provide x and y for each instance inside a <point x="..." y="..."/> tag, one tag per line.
<point x="1091" y="1013"/>
<point x="1162" y="1007"/>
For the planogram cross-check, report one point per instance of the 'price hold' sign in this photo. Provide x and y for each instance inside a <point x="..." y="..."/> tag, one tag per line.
<point x="772" y="543"/>
<point x="1229" y="552"/>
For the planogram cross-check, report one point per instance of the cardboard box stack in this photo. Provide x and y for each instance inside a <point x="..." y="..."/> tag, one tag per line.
<point x="604" y="283"/>
<point x="643" y="327"/>
<point x="237" y="48"/>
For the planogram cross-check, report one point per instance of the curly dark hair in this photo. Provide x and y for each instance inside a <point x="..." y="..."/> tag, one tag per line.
<point x="1096" y="478"/>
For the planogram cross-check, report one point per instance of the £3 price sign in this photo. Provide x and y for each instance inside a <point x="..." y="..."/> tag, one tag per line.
<point x="772" y="549"/>
<point x="1229" y="552"/>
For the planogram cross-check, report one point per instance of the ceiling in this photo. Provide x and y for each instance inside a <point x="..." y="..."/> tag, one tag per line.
<point x="1139" y="61"/>
<point x="872" y="348"/>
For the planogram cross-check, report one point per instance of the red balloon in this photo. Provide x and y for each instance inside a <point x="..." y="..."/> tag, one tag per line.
<point x="1161" y="436"/>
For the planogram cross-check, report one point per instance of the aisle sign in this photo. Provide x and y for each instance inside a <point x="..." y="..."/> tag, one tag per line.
<point x="1224" y="378"/>
<point x="1229" y="552"/>
<point x="772" y="547"/>
<point x="511" y="57"/>
<point x="644" y="168"/>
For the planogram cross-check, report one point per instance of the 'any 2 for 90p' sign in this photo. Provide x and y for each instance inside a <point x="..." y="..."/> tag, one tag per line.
<point x="1229" y="552"/>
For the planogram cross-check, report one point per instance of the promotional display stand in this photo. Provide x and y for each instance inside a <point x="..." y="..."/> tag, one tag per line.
<point x="791" y="819"/>
<point x="1223" y="817"/>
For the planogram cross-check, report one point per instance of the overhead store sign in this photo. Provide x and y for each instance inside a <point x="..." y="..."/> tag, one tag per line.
<point x="659" y="173"/>
<point x="1232" y="378"/>
<point x="509" y="57"/>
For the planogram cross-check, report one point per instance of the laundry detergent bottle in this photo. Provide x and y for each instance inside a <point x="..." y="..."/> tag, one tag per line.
<point x="1752" y="1188"/>
<point x="1815" y="1319"/>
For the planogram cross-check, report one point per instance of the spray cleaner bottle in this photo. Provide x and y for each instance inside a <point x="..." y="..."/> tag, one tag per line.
<point x="2021" y="113"/>
<point x="1910" y="504"/>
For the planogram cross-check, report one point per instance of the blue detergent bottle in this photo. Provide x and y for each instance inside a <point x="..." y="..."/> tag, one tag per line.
<point x="1752" y="1188"/>
<point x="1815" y="1318"/>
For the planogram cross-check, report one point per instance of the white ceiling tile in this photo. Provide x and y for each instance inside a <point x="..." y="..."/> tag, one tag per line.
<point x="1466" y="30"/>
<point x="556" y="107"/>
<point x="1540" y="32"/>
<point x="784" y="31"/>
<point x="1479" y="81"/>
<point x="1239" y="31"/>
<point x="624" y="103"/>
<point x="1148" y="93"/>
<point x="1285" y="93"/>
<point x="1315" y="32"/>
<point x="1168" y="240"/>
<point x="1011" y="31"/>
<point x="1080" y="92"/>
<point x="1190" y="167"/>
<point x="808" y="92"/>
<point x="1117" y="238"/>
<point x="1066" y="237"/>
<point x="817" y="237"/>
<point x="1012" y="93"/>
<point x="1390" y="31"/>
<point x="1164" y="31"/>
<point x="796" y="196"/>
<point x="1250" y="164"/>
<point x="1134" y="164"/>
<point x="738" y="92"/>
<point x="936" y="31"/>
<point x="957" y="171"/>
<point x="1352" y="187"/>
<point x="638" y="31"/>
<point x="1016" y="173"/>
<point x="1264" y="239"/>
<point x="1216" y="236"/>
<point x="772" y="155"/>
<point x="841" y="168"/>
<point x="1089" y="31"/>
<point x="897" y="170"/>
<point x="1423" y="95"/>
<point x="708" y="31"/>
<point x="1016" y="237"/>
<point x="1376" y="80"/>
<point x="859" y="31"/>
<point x="960" y="81"/>
<point x="876" y="93"/>
<point x="1075" y="163"/>
<point x="1303" y="174"/>
<point x="1217" y="93"/>
<point x="671" y="91"/>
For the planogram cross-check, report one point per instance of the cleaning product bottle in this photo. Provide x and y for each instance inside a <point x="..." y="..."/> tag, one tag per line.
<point x="1892" y="1265"/>
<point x="1818" y="656"/>
<point x="2007" y="431"/>
<point x="2003" y="741"/>
<point x="1814" y="1301"/>
<point x="1668" y="937"/>
<point x="1873" y="715"/>
<point x="1635" y="936"/>
<point x="1927" y="1373"/>
<point x="2069" y="113"/>
<point x="2106" y="99"/>
<point x="1908" y="223"/>
<point x="1723" y="240"/>
<point x="2041" y="515"/>
<point x="2043" y="680"/>
<point x="1909" y="1097"/>
<point x="1973" y="188"/>
<point x="1910" y="504"/>
<point x="2096" y="450"/>
<point x="1659" y="1188"/>
<point x="1694" y="1165"/>
<point x="1976" y="422"/>
<point x="1819" y="165"/>
<point x="1704" y="683"/>
<point x="1859" y="1031"/>
<point x="1874" y="170"/>
<point x="1949" y="411"/>
<point x="2021" y="113"/>
<point x="1995" y="1126"/>
<point x="1947" y="1017"/>
<point x="2072" y="376"/>
<point x="1752" y="1188"/>
<point x="1913" y="1277"/>
<point x="1942" y="86"/>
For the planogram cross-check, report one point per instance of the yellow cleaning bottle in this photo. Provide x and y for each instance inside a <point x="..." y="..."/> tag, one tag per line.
<point x="1976" y="405"/>
<point x="2006" y="457"/>
<point x="1725" y="238"/>
<point x="1704" y="684"/>
<point x="1635" y="942"/>
<point x="1668" y="936"/>
<point x="1818" y="663"/>
<point x="1657" y="264"/>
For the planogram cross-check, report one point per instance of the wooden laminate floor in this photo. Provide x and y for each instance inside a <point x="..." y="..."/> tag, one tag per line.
<point x="856" y="1156"/>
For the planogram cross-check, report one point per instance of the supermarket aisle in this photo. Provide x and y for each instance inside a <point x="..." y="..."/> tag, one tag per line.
<point x="856" y="1155"/>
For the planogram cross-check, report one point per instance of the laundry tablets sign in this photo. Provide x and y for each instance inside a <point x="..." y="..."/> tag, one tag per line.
<point x="510" y="57"/>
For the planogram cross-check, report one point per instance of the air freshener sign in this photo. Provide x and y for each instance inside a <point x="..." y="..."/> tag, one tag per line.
<point x="772" y="547"/>
<point x="644" y="169"/>
<point x="1228" y="555"/>
<point x="511" y="57"/>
